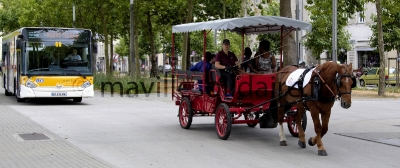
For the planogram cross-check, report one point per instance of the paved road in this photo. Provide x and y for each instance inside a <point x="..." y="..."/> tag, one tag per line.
<point x="144" y="132"/>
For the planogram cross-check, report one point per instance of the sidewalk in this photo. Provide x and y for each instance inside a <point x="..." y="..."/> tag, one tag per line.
<point x="25" y="143"/>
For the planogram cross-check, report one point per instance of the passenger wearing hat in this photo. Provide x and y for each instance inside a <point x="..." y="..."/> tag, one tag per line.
<point x="226" y="60"/>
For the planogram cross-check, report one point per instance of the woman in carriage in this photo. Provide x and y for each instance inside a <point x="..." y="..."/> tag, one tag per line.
<point x="265" y="63"/>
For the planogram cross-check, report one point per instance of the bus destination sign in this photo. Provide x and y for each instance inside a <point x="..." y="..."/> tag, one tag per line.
<point x="54" y="34"/>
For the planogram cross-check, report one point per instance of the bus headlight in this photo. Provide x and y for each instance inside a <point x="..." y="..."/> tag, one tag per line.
<point x="30" y="84"/>
<point x="86" y="84"/>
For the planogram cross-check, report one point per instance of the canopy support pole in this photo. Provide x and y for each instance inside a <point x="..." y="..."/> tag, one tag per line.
<point x="173" y="63"/>
<point x="281" y="50"/>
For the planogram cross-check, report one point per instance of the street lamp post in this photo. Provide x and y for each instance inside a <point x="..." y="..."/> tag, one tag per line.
<point x="73" y="15"/>
<point x="131" y="45"/>
<point x="334" y="30"/>
<point x="297" y="33"/>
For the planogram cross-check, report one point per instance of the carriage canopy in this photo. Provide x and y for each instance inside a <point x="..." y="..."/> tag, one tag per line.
<point x="246" y="25"/>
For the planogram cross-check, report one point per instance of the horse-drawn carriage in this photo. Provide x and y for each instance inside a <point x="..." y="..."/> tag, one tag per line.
<point x="257" y="97"/>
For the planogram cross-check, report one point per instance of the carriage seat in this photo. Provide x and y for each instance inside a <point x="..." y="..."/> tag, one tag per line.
<point x="207" y="84"/>
<point x="215" y="75"/>
<point x="183" y="77"/>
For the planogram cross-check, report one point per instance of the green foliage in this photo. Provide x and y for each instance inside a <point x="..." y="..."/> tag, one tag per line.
<point x="122" y="48"/>
<point x="390" y="26"/>
<point x="271" y="10"/>
<point x="236" y="43"/>
<point x="9" y="16"/>
<point x="206" y="10"/>
<point x="321" y="19"/>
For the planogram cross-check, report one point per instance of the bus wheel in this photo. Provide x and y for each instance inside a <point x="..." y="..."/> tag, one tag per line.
<point x="7" y="93"/>
<point x="16" y="96"/>
<point x="77" y="99"/>
<point x="19" y="99"/>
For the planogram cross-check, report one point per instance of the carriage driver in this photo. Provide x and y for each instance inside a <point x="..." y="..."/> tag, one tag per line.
<point x="226" y="60"/>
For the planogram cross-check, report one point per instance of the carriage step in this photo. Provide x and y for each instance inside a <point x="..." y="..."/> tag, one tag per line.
<point x="228" y="96"/>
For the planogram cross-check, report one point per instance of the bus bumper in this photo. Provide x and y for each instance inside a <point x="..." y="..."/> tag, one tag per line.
<point x="26" y="92"/>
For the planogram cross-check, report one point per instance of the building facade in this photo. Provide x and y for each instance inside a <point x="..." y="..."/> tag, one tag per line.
<point x="362" y="54"/>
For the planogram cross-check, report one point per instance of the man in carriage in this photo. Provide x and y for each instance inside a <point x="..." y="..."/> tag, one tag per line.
<point x="226" y="61"/>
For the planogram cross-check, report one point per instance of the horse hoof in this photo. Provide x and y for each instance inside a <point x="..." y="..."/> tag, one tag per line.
<point x="310" y="142"/>
<point x="283" y="143"/>
<point x="322" y="153"/>
<point x="302" y="144"/>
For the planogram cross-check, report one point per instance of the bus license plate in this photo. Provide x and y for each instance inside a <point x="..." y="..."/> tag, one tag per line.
<point x="59" y="94"/>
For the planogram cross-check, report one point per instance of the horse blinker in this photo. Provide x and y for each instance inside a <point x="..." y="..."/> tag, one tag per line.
<point x="353" y="78"/>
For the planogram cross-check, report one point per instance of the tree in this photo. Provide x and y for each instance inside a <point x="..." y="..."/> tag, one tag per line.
<point x="319" y="40"/>
<point x="289" y="45"/>
<point x="386" y="34"/>
<point x="271" y="10"/>
<point x="381" y="89"/>
<point x="186" y="37"/>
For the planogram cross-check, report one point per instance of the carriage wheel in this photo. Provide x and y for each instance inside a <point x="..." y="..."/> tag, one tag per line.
<point x="185" y="113"/>
<point x="223" y="121"/>
<point x="251" y="116"/>
<point x="292" y="126"/>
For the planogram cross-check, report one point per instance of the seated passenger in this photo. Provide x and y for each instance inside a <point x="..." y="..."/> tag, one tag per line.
<point x="249" y="66"/>
<point x="225" y="61"/>
<point x="265" y="63"/>
<point x="210" y="59"/>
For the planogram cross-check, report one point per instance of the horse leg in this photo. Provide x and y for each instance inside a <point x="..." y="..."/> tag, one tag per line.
<point x="325" y="121"/>
<point x="299" y="116"/>
<point x="318" y="130"/>
<point x="281" y="115"/>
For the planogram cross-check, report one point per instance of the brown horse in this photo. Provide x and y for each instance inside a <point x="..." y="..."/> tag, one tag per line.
<point x="332" y="81"/>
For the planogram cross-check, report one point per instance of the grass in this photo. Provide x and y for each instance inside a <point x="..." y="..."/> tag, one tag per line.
<point x="391" y="89"/>
<point x="364" y="92"/>
<point x="125" y="83"/>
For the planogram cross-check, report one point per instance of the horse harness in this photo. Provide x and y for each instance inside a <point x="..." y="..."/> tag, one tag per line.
<point x="316" y="87"/>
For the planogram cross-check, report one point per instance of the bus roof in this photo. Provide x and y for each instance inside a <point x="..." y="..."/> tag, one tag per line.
<point x="17" y="32"/>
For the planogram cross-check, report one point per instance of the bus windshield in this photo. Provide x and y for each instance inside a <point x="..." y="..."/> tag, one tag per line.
<point x="54" y="53"/>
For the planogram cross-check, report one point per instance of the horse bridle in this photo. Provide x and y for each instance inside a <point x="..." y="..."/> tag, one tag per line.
<point x="338" y="82"/>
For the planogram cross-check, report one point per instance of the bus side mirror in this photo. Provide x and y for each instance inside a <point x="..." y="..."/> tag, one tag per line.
<point x="19" y="44"/>
<point x="95" y="48"/>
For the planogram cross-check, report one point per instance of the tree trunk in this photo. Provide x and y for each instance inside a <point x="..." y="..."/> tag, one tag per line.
<point x="223" y="11"/>
<point x="105" y="34"/>
<point x="150" y="34"/>
<point x="382" y="85"/>
<point x="136" y="48"/>
<point x="289" y="45"/>
<point x="244" y="8"/>
<point x="188" y="60"/>
<point x="134" y="64"/>
<point x="186" y="39"/>
<point x="112" y="53"/>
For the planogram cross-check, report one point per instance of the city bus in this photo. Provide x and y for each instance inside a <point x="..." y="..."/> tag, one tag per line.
<point x="36" y="63"/>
